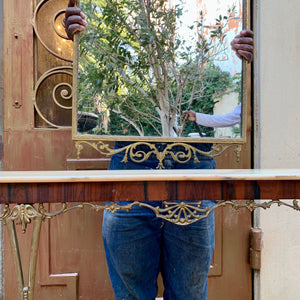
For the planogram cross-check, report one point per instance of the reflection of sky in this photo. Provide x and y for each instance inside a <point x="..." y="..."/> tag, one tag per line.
<point x="211" y="9"/>
<point x="188" y="18"/>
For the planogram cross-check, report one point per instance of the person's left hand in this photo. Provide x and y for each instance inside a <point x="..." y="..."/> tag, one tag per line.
<point x="242" y="44"/>
<point x="74" y="20"/>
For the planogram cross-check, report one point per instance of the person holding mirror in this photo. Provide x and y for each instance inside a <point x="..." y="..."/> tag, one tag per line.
<point x="138" y="245"/>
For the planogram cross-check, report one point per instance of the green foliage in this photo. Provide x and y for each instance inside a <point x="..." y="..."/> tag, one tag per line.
<point x="136" y="70"/>
<point x="216" y="83"/>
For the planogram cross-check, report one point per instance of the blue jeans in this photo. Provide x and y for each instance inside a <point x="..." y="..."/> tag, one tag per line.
<point x="138" y="246"/>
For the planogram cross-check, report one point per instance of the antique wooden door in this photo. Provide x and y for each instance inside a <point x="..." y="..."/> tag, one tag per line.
<point x="37" y="136"/>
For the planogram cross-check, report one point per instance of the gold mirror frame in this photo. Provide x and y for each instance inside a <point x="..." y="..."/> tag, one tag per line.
<point x="101" y="143"/>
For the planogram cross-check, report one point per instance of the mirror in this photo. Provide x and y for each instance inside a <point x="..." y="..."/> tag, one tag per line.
<point x="139" y="66"/>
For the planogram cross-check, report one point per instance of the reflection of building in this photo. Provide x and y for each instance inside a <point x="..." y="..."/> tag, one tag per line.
<point x="211" y="10"/>
<point x="227" y="104"/>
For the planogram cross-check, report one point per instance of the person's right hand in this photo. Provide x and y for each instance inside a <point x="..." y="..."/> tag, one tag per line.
<point x="74" y="20"/>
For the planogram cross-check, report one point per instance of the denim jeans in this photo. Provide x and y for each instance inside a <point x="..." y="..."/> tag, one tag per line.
<point x="138" y="246"/>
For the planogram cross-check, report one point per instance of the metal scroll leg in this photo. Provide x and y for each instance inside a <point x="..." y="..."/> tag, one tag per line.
<point x="16" y="256"/>
<point x="25" y="292"/>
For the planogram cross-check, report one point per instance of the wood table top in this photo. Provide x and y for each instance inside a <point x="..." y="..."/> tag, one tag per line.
<point x="148" y="185"/>
<point x="148" y="175"/>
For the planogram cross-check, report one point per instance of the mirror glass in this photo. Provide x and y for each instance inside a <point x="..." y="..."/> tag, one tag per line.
<point x="140" y="65"/>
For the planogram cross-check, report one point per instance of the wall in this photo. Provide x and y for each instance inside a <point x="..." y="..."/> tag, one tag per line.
<point x="278" y="141"/>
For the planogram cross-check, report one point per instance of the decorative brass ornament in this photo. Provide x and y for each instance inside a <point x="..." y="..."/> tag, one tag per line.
<point x="185" y="213"/>
<point x="180" y="213"/>
<point x="22" y="214"/>
<point x="189" y="152"/>
<point x="237" y="151"/>
<point x="5" y="213"/>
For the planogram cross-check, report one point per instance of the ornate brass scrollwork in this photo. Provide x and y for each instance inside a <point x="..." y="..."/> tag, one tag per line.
<point x="180" y="213"/>
<point x="187" y="153"/>
<point x="185" y="213"/>
<point x="22" y="214"/>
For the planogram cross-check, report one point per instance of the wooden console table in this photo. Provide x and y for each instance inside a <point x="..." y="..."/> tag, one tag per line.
<point x="30" y="190"/>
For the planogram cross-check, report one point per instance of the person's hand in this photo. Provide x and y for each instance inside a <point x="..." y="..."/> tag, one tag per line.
<point x="74" y="20"/>
<point x="242" y="44"/>
<point x="189" y="115"/>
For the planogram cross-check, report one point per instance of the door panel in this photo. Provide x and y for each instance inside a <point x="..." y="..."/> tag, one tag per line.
<point x="234" y="281"/>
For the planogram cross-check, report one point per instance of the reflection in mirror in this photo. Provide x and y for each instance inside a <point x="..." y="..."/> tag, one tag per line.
<point x="141" y="67"/>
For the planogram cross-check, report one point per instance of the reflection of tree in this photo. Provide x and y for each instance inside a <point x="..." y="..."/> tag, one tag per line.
<point x="143" y="72"/>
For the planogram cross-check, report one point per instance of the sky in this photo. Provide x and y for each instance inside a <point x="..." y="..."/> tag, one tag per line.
<point x="212" y="9"/>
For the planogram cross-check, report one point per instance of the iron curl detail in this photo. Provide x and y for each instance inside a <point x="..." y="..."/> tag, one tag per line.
<point x="61" y="98"/>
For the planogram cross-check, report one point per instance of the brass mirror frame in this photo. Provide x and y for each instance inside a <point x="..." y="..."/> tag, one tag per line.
<point x="100" y="143"/>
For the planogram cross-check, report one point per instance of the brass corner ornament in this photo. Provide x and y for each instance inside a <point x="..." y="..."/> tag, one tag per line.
<point x="132" y="152"/>
<point x="22" y="214"/>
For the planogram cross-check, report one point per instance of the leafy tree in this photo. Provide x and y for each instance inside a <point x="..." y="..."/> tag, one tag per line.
<point x="140" y="73"/>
